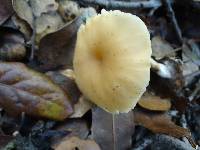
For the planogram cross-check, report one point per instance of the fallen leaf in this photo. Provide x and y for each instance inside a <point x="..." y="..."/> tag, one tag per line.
<point x="161" y="48"/>
<point x="6" y="10"/>
<point x="81" y="108"/>
<point x="24" y="11"/>
<point x="41" y="15"/>
<point x="67" y="84"/>
<point x="112" y="133"/>
<point x="75" y="127"/>
<point x="75" y="143"/>
<point x="56" y="49"/>
<point x="40" y="7"/>
<point x="161" y="123"/>
<point x="22" y="26"/>
<point x="164" y="142"/>
<point x="11" y="45"/>
<point x="69" y="9"/>
<point x="4" y="140"/>
<point x="25" y="90"/>
<point x="47" y="23"/>
<point x="151" y="102"/>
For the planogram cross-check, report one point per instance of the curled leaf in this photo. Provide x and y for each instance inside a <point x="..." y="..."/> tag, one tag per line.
<point x="23" y="10"/>
<point x="25" y="90"/>
<point x="161" y="123"/>
<point x="67" y="84"/>
<point x="151" y="102"/>
<point x="11" y="45"/>
<point x="56" y="49"/>
<point x="81" y="108"/>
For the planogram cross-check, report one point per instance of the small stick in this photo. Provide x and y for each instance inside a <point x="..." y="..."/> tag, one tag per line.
<point x="33" y="41"/>
<point x="173" y="19"/>
<point x="122" y="4"/>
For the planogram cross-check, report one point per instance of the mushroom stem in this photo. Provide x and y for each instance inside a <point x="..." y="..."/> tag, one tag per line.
<point x="161" y="69"/>
<point x="113" y="130"/>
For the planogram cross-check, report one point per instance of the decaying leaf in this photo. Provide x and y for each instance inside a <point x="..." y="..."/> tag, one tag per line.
<point x="151" y="102"/>
<point x="81" y="107"/>
<point x="12" y="46"/>
<point x="111" y="132"/>
<point x="25" y="90"/>
<point x="24" y="11"/>
<point x="41" y="15"/>
<point x="171" y="87"/>
<point x="191" y="52"/>
<point x="56" y="49"/>
<point x="43" y="6"/>
<point x="22" y="26"/>
<point x="75" y="143"/>
<point x="164" y="142"/>
<point x="67" y="84"/>
<point x="6" y="10"/>
<point x="75" y="127"/>
<point x="69" y="9"/>
<point x="161" y="48"/>
<point x="5" y="139"/>
<point x="161" y="123"/>
<point x="47" y="23"/>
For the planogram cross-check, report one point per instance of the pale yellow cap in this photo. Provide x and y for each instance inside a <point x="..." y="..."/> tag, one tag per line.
<point x="112" y="60"/>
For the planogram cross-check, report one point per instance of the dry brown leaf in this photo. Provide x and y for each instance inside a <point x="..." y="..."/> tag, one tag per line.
<point x="25" y="90"/>
<point x="41" y="15"/>
<point x="6" y="10"/>
<point x="161" y="48"/>
<point x="151" y="102"/>
<point x="56" y="49"/>
<point x="40" y="7"/>
<point x="69" y="9"/>
<point x="4" y="140"/>
<point x="47" y="23"/>
<point x="23" y="10"/>
<point x="161" y="123"/>
<point x="22" y="26"/>
<point x="109" y="135"/>
<point x="75" y="143"/>
<point x="11" y="45"/>
<point x="75" y="127"/>
<point x="81" y="108"/>
<point x="67" y="84"/>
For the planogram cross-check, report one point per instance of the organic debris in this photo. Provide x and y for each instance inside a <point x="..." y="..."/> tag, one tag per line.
<point x="41" y="105"/>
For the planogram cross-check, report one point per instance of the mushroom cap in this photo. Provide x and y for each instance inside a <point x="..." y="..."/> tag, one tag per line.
<point x="112" y="60"/>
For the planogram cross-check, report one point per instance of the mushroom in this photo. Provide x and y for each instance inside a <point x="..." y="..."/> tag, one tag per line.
<point x="112" y="60"/>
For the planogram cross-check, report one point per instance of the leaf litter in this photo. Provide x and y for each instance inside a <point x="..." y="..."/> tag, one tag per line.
<point x="46" y="31"/>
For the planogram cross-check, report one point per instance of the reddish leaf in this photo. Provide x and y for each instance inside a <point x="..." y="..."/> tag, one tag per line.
<point x="6" y="10"/>
<point x="111" y="132"/>
<point x="25" y="90"/>
<point x="56" y="49"/>
<point x="11" y="45"/>
<point x="161" y="123"/>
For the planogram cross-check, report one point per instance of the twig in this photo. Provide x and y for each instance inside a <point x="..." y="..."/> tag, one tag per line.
<point x="122" y="4"/>
<point x="33" y="41"/>
<point x="173" y="19"/>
